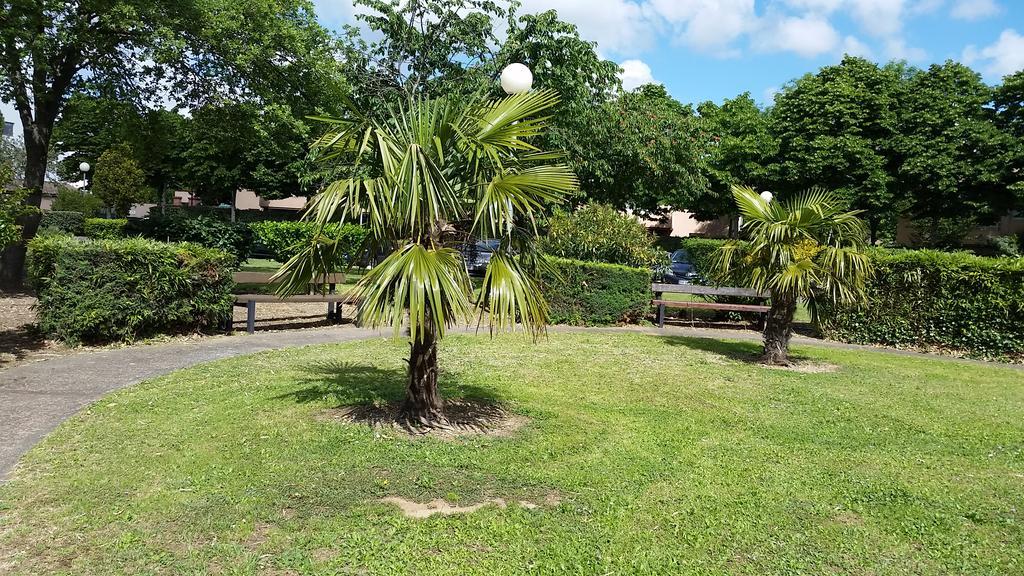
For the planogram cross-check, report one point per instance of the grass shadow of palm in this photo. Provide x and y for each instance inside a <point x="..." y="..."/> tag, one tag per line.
<point x="351" y="384"/>
<point x="746" y="352"/>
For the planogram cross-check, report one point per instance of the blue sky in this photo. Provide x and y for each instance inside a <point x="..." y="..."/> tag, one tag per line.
<point x="715" y="49"/>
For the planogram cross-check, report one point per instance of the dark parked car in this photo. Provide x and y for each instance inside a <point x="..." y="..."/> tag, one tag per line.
<point x="478" y="255"/>
<point x="680" y="269"/>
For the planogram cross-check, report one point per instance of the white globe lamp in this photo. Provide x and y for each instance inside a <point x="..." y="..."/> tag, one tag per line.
<point x="84" y="167"/>
<point x="516" y="79"/>
<point x="767" y="197"/>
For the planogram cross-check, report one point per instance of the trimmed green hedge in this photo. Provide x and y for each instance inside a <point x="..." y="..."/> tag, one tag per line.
<point x="104" y="228"/>
<point x="926" y="298"/>
<point x="595" y="294"/>
<point x="209" y="231"/>
<point x="123" y="290"/>
<point x="63" y="221"/>
<point x="284" y="239"/>
<point x="702" y="252"/>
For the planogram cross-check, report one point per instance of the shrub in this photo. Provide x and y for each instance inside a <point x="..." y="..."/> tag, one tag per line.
<point x="600" y="233"/>
<point x="702" y="252"/>
<point x="284" y="239"/>
<point x="234" y="238"/>
<point x="595" y="294"/>
<point x="71" y="200"/>
<point x="118" y="180"/>
<point x="122" y="290"/>
<point x="930" y="299"/>
<point x="1005" y="246"/>
<point x="104" y="228"/>
<point x="62" y="221"/>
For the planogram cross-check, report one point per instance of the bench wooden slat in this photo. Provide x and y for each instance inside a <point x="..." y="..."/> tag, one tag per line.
<point x="712" y="306"/>
<point x="264" y="278"/>
<point x="243" y="298"/>
<point x="708" y="290"/>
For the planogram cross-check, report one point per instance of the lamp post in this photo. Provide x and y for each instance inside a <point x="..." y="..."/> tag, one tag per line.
<point x="85" y="167"/>
<point x="516" y="79"/>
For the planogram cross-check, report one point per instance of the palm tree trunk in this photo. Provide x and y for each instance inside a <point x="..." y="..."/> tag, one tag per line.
<point x="423" y="404"/>
<point x="778" y="329"/>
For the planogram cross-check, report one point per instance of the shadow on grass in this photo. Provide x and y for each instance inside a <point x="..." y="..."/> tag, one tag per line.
<point x="350" y="384"/>
<point x="747" y="352"/>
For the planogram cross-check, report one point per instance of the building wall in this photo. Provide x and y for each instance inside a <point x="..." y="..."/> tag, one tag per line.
<point x="680" y="224"/>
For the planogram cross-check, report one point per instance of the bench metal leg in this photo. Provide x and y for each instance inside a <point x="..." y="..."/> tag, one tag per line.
<point x="332" y="307"/>
<point x="250" y="316"/>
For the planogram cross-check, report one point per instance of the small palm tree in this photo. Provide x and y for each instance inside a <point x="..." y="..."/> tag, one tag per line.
<point x="807" y="248"/>
<point x="433" y="176"/>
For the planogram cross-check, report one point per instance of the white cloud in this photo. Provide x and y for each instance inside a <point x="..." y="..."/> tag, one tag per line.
<point x="619" y="26"/>
<point x="974" y="9"/>
<point x="707" y="25"/>
<point x="854" y="47"/>
<point x="807" y="36"/>
<point x="896" y="48"/>
<point x="1004" y="56"/>
<point x="635" y="73"/>
<point x="883" y="18"/>
<point x="768" y="96"/>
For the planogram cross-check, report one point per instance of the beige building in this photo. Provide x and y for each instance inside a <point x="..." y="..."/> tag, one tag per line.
<point x="678" y="224"/>
<point x="1009" y="225"/>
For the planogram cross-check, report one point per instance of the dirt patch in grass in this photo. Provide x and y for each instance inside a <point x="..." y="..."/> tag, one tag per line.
<point x="806" y="367"/>
<point x="465" y="418"/>
<point x="425" y="510"/>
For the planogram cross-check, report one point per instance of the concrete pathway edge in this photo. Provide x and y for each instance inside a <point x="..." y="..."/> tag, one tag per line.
<point x="37" y="397"/>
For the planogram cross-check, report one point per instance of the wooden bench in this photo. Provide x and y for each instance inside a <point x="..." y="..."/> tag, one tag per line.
<point x="660" y="290"/>
<point x="332" y="299"/>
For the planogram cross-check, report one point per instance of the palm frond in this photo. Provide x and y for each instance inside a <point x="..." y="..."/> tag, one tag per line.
<point x="509" y="295"/>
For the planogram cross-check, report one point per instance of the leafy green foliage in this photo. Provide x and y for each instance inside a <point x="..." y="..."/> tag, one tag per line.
<point x="123" y="290"/>
<point x="12" y="207"/>
<point x="740" y="150"/>
<point x="600" y="233"/>
<point x="932" y="299"/>
<point x="179" y="226"/>
<point x="119" y="182"/>
<point x="703" y="252"/>
<point x="1008" y="246"/>
<point x="838" y="129"/>
<point x="595" y="294"/>
<point x="105" y="228"/>
<point x="71" y="200"/>
<point x="644" y="153"/>
<point x="434" y="174"/>
<point x="286" y="239"/>
<point x="61" y="221"/>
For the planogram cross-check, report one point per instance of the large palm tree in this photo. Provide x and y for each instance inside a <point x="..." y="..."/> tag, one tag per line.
<point x="432" y="176"/>
<point x="806" y="248"/>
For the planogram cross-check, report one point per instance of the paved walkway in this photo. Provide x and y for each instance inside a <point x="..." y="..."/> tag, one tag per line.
<point x="36" y="397"/>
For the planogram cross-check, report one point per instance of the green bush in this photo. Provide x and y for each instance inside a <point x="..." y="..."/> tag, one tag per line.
<point x="104" y="228"/>
<point x="71" y="200"/>
<point x="595" y="294"/>
<point x="122" y="290"/>
<point x="62" y="221"/>
<point x="284" y="239"/>
<point x="234" y="238"/>
<point x="702" y="252"/>
<point x="600" y="233"/>
<point x="933" y="299"/>
<point x="1008" y="246"/>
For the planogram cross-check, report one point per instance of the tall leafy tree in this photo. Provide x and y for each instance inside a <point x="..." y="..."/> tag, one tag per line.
<point x="953" y="153"/>
<point x="231" y="146"/>
<point x="837" y="129"/>
<point x="1009" y="117"/>
<point x="142" y="50"/>
<point x="740" y="150"/>
<point x="431" y="175"/>
<point x="119" y="181"/>
<point x="807" y="247"/>
<point x="644" y="153"/>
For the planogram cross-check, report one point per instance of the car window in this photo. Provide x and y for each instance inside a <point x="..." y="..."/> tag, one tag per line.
<point x="488" y="245"/>
<point x="680" y="257"/>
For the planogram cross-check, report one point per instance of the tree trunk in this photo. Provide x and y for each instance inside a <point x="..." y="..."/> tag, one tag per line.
<point x="12" y="264"/>
<point x="778" y="329"/>
<point x="423" y="405"/>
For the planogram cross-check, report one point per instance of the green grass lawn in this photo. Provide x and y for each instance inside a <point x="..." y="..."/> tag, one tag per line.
<point x="667" y="456"/>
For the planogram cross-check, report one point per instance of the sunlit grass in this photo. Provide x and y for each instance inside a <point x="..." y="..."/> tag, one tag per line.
<point x="667" y="455"/>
